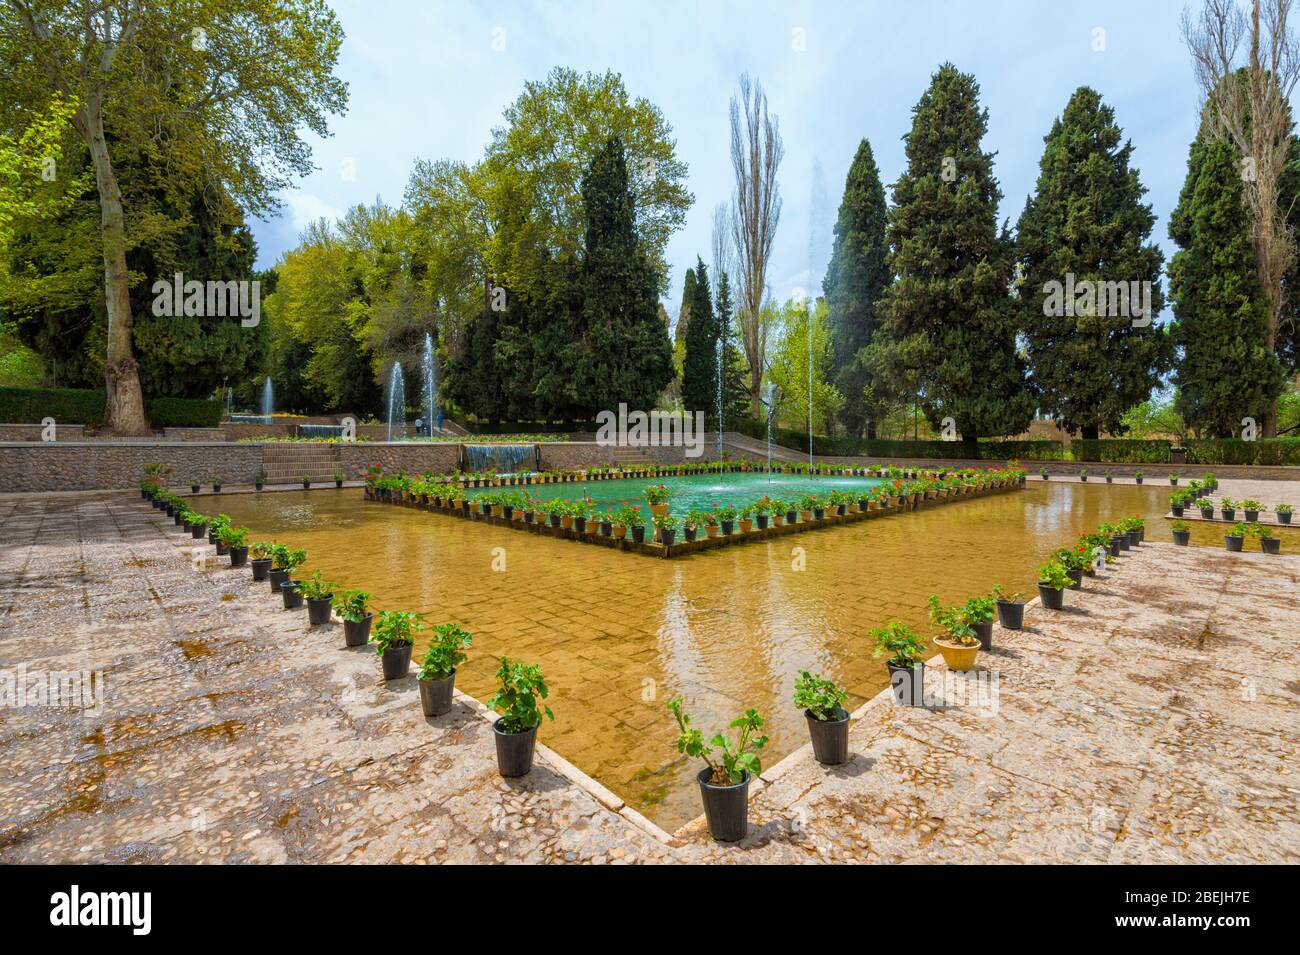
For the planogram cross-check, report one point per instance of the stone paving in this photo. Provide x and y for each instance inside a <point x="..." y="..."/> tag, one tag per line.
<point x="1155" y="720"/>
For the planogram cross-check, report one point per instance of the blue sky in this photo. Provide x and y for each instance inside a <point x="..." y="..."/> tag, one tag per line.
<point x="425" y="82"/>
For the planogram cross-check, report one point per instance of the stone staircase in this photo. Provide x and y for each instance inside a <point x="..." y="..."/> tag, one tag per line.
<point x="624" y="455"/>
<point x="287" y="463"/>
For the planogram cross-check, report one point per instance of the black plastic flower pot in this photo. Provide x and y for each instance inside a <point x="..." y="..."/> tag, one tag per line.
<point x="1181" y="538"/>
<point x="1083" y="478"/>
<point x="841" y="509"/>
<point x="1228" y="514"/>
<point x="667" y="537"/>
<point x="194" y="489"/>
<point x="1271" y="545"/>
<point x="238" y="556"/>
<point x="318" y="610"/>
<point x="435" y="695"/>
<point x="1284" y="517"/>
<point x="819" y="513"/>
<point x="356" y="633"/>
<point x="1207" y="513"/>
<point x="1052" y="598"/>
<point x="1138" y="479"/>
<point x="726" y="528"/>
<point x="555" y="520"/>
<point x="985" y="632"/>
<point x="510" y="512"/>
<point x="257" y="485"/>
<point x="514" y="750"/>
<point x="277" y="576"/>
<point x="261" y="567"/>
<point x="688" y="533"/>
<point x="726" y="808"/>
<point x="606" y="529"/>
<point x="176" y="518"/>
<point x="338" y="482"/>
<point x="222" y="549"/>
<point x="1134" y="538"/>
<point x="1251" y="516"/>
<point x="1124" y="542"/>
<point x="1011" y="614"/>
<point x="216" y="488"/>
<point x="396" y="662"/>
<point x="762" y="521"/>
<point x="830" y="738"/>
<point x="1233" y="543"/>
<point x="580" y="525"/>
<point x="198" y="530"/>
<point x="638" y="534"/>
<point x="1178" y="510"/>
<point x="291" y="595"/>
<point x="1115" y="547"/>
<point x="528" y="517"/>
<point x="908" y="683"/>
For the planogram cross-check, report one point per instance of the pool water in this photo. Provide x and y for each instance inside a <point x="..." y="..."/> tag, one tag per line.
<point x="618" y="634"/>
<point x="700" y="492"/>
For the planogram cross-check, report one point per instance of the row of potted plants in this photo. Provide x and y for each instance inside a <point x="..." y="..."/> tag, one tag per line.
<point x="393" y="634"/>
<point x="1178" y="504"/>
<point x="1206" y="484"/>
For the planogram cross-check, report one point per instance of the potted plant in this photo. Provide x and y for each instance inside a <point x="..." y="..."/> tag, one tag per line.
<point x="666" y="526"/>
<point x="1182" y="533"/>
<point x="198" y="525"/>
<point x="746" y="518"/>
<point x="1011" y="608"/>
<point x="338" y="479"/>
<point x="283" y="563"/>
<point x="1173" y="479"/>
<point x="353" y="608"/>
<point x="320" y="595"/>
<point x="1083" y="474"/>
<point x="822" y="703"/>
<point x="437" y="676"/>
<point x="906" y="669"/>
<point x="1177" y="502"/>
<point x="1137" y="476"/>
<point x="977" y="613"/>
<point x="259" y="479"/>
<point x="1283" y="512"/>
<point x="1042" y="472"/>
<point x="1267" y="543"/>
<point x="194" y="485"/>
<point x="724" y="785"/>
<point x="1207" y="510"/>
<point x="235" y="540"/>
<point x="1236" y="536"/>
<point x="1052" y="581"/>
<point x="1228" y="508"/>
<point x="516" y="730"/>
<point x="760" y="509"/>
<point x="217" y="482"/>
<point x="1252" y="509"/>
<point x="1110" y="476"/>
<point x="291" y="593"/>
<point x="394" y="637"/>
<point x="726" y="518"/>
<point x="657" y="495"/>
<point x="959" y="645"/>
<point x="262" y="551"/>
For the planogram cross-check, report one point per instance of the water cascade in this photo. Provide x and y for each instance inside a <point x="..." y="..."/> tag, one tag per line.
<point x="396" y="399"/>
<point x="501" y="458"/>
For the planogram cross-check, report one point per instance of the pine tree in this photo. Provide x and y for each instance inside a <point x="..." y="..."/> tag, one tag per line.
<point x="856" y="278"/>
<point x="948" y="330"/>
<point x="1086" y="229"/>
<point x="700" y="367"/>
<point x="626" y="355"/>
<point x="735" y="370"/>
<point x="1226" y="371"/>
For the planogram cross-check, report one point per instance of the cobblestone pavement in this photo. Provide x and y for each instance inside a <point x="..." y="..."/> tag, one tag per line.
<point x="1154" y="720"/>
<point x="229" y="731"/>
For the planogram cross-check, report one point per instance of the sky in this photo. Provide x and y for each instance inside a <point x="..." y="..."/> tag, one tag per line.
<point x="430" y="80"/>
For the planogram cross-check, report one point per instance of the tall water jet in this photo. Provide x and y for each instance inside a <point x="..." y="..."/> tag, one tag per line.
<point x="770" y="401"/>
<point x="396" y="398"/>
<point x="268" y="400"/>
<point x="430" y="384"/>
<point x="719" y="404"/>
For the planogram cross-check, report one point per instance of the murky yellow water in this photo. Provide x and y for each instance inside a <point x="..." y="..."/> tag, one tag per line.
<point x="618" y="634"/>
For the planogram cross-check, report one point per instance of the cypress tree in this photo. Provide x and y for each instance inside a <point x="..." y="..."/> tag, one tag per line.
<point x="625" y="354"/>
<point x="856" y="278"/>
<point x="700" y="366"/>
<point x="948" y="329"/>
<point x="735" y="370"/>
<point x="1227" y="371"/>
<point x="684" y="312"/>
<point x="1085" y="220"/>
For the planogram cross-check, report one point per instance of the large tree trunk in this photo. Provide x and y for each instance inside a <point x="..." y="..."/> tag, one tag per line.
<point x="124" y="400"/>
<point x="1089" y="433"/>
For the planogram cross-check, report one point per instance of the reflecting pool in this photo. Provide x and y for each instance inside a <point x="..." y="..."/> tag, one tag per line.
<point x="618" y="634"/>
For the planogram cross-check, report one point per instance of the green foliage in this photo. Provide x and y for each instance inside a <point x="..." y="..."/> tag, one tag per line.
<point x="64" y="405"/>
<point x="352" y="605"/>
<point x="394" y="629"/>
<point x="820" y="697"/>
<point x="1121" y="450"/>
<point x="738" y="757"/>
<point x="856" y="278"/>
<point x="952" y="619"/>
<point x="1052" y="574"/>
<point x="230" y="536"/>
<point x="898" y="641"/>
<point x="1262" y="451"/>
<point x="445" y="652"/>
<point x="1227" y="371"/>
<point x="521" y="687"/>
<point x="1086" y="219"/>
<point x="700" y="364"/>
<point x="788" y="370"/>
<point x="184" y="413"/>
<point x="317" y="587"/>
<point x="282" y="556"/>
<point x="948" y="331"/>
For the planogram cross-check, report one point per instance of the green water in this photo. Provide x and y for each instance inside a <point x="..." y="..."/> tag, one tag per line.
<point x="700" y="491"/>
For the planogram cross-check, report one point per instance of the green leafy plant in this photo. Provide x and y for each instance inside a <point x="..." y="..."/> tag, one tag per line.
<point x="1249" y="505"/>
<point x="231" y="536"/>
<point x="1181" y="527"/>
<point x="1052" y="574"/>
<point x="446" y="651"/>
<point x="657" y="493"/>
<point x="997" y="593"/>
<point x="395" y="629"/>
<point x="1258" y="530"/>
<point x="521" y="687"/>
<point x="352" y="605"/>
<point x="1282" y="509"/>
<point x="897" y="639"/>
<point x="315" y="587"/>
<point x="736" y="759"/>
<point x="666" y="522"/>
<point x="261" y="549"/>
<point x="819" y="697"/>
<point x="282" y="558"/>
<point x="979" y="609"/>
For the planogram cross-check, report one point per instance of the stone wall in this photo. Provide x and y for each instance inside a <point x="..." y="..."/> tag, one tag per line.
<point x="86" y="466"/>
<point x="32" y="432"/>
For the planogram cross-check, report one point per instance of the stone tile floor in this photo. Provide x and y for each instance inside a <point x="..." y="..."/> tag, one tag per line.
<point x="1155" y="720"/>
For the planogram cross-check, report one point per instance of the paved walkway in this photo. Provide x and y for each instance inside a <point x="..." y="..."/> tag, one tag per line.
<point x="1153" y="721"/>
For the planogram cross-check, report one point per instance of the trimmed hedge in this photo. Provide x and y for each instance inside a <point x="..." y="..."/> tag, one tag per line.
<point x="184" y="412"/>
<point x="86" y="406"/>
<point x="64" y="405"/>
<point x="1121" y="450"/>
<point x="863" y="447"/>
<point x="1264" y="451"/>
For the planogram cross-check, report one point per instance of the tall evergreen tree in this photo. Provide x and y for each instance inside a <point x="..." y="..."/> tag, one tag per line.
<point x="1227" y="371"/>
<point x="627" y="356"/>
<point x="948" y="330"/>
<point x="684" y="312"/>
<point x="735" y="370"/>
<point x="700" y="366"/>
<point x="1085" y="220"/>
<point x="856" y="278"/>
